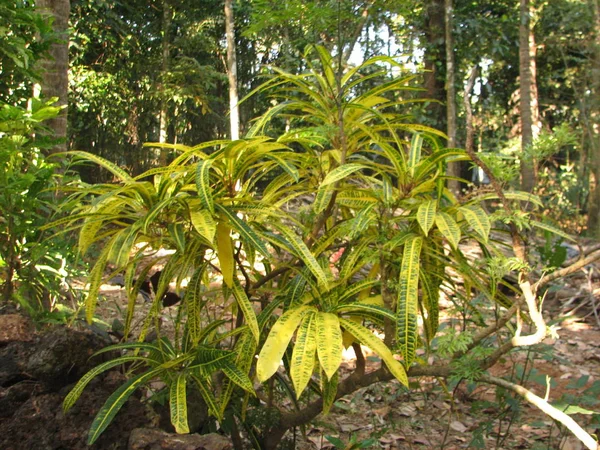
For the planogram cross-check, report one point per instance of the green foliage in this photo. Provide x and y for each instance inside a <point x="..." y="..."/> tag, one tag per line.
<point x="34" y="265"/>
<point x="371" y="249"/>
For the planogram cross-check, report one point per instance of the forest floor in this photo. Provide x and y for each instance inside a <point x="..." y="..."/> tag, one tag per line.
<point x="434" y="414"/>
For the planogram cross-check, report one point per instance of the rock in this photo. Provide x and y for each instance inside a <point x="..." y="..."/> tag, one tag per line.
<point x="15" y="327"/>
<point x="151" y="439"/>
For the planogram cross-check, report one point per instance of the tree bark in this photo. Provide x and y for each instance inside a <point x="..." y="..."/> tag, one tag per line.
<point x="453" y="167"/>
<point x="234" y="114"/>
<point x="164" y="105"/>
<point x="594" y="139"/>
<point x="434" y="58"/>
<point x="55" y="69"/>
<point x="529" y="109"/>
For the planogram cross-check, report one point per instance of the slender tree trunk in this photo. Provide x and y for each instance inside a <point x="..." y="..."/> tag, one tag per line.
<point x="164" y="104"/>
<point x="55" y="69"/>
<point x="530" y="122"/>
<point x="470" y="129"/>
<point x="433" y="60"/>
<point x="234" y="114"/>
<point x="594" y="148"/>
<point x="453" y="168"/>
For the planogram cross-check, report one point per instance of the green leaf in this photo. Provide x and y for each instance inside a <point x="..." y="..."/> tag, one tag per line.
<point x="95" y="280"/>
<point x="329" y="342"/>
<point x="367" y="308"/>
<point x="448" y="227"/>
<point x="426" y="215"/>
<point x="178" y="404"/>
<point x="111" y="167"/>
<point x="238" y="377"/>
<point x="329" y="391"/>
<point x="203" y="184"/>
<point x="247" y="309"/>
<point x="477" y="219"/>
<point x="303" y="356"/>
<point x="116" y="401"/>
<point x="552" y="229"/>
<point x="75" y="393"/>
<point x="244" y="230"/>
<point x="414" y="154"/>
<point x="193" y="302"/>
<point x="277" y="342"/>
<point x="408" y="298"/>
<point x="203" y="223"/>
<point x="304" y="253"/>
<point x="225" y="253"/>
<point x="203" y="384"/>
<point x="341" y="172"/>
<point x="374" y="343"/>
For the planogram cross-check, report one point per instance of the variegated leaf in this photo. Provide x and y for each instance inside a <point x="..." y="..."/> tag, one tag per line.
<point x="374" y="343"/>
<point x="277" y="342"/>
<point x="203" y="223"/>
<point x="225" y="253"/>
<point x="178" y="404"/>
<point x="247" y="309"/>
<point x="477" y="219"/>
<point x="414" y="154"/>
<point x="203" y="184"/>
<point x="303" y="356"/>
<point x="448" y="227"/>
<point x="329" y="342"/>
<point x="341" y="172"/>
<point x="426" y="215"/>
<point x="407" y="308"/>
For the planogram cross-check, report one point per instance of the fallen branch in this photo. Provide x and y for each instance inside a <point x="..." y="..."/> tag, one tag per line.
<point x="547" y="408"/>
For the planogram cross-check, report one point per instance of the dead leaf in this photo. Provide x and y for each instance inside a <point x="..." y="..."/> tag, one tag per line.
<point x="458" y="426"/>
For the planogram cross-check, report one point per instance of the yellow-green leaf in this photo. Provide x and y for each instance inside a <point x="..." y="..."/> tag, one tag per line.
<point x="477" y="219"/>
<point x="329" y="391"/>
<point x="426" y="215"/>
<point x="303" y="357"/>
<point x="203" y="223"/>
<point x="414" y="154"/>
<point x="448" y="227"/>
<point x="203" y="184"/>
<point x="408" y="297"/>
<point x="225" y="253"/>
<point x="247" y="309"/>
<point x="341" y="172"/>
<point x="374" y="343"/>
<point x="329" y="342"/>
<point x="277" y="341"/>
<point x="178" y="404"/>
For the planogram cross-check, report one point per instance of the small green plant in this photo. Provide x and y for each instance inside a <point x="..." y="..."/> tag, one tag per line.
<point x="34" y="264"/>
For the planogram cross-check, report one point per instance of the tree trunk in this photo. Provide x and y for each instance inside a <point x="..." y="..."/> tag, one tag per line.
<point x="55" y="69"/>
<point x="530" y="122"/>
<point x="453" y="167"/>
<point x="434" y="60"/>
<point x="234" y="114"/>
<point x="164" y="105"/>
<point x="594" y="148"/>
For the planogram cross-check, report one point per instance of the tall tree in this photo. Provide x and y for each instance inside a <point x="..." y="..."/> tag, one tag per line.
<point x="234" y="114"/>
<point x="453" y="167"/>
<point x="164" y="104"/>
<point x="529" y="109"/>
<point x="434" y="61"/>
<point x="594" y="129"/>
<point x="55" y="68"/>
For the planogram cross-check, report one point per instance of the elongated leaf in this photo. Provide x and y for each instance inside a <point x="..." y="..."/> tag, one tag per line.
<point x="477" y="219"/>
<point x="95" y="280"/>
<point x="408" y="297"/>
<point x="203" y="223"/>
<point x="247" y="309"/>
<point x="414" y="154"/>
<point x="341" y="172"/>
<point x="322" y="198"/>
<point x="277" y="342"/>
<point x="355" y="288"/>
<point x="177" y="232"/>
<point x="367" y="308"/>
<point x="89" y="232"/>
<point x="244" y="230"/>
<point x="193" y="302"/>
<point x="203" y="184"/>
<point x="116" y="401"/>
<point x="329" y="391"/>
<point x="304" y="253"/>
<point x="111" y="167"/>
<point x="329" y="342"/>
<point x="238" y="377"/>
<point x="374" y="343"/>
<point x="75" y="393"/>
<point x="303" y="357"/>
<point x="178" y="404"/>
<point x="225" y="253"/>
<point x="448" y="227"/>
<point x="552" y="229"/>
<point x="426" y="215"/>
<point x="511" y="195"/>
<point x="203" y="385"/>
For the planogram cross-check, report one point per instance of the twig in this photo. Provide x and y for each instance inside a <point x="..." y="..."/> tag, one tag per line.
<point x="560" y="273"/>
<point x="545" y="407"/>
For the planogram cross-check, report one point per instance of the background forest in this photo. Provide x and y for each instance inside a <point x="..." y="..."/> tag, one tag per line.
<point x="278" y="183"/>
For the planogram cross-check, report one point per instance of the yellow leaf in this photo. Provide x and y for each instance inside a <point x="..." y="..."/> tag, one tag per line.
<point x="225" y="253"/>
<point x="329" y="342"/>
